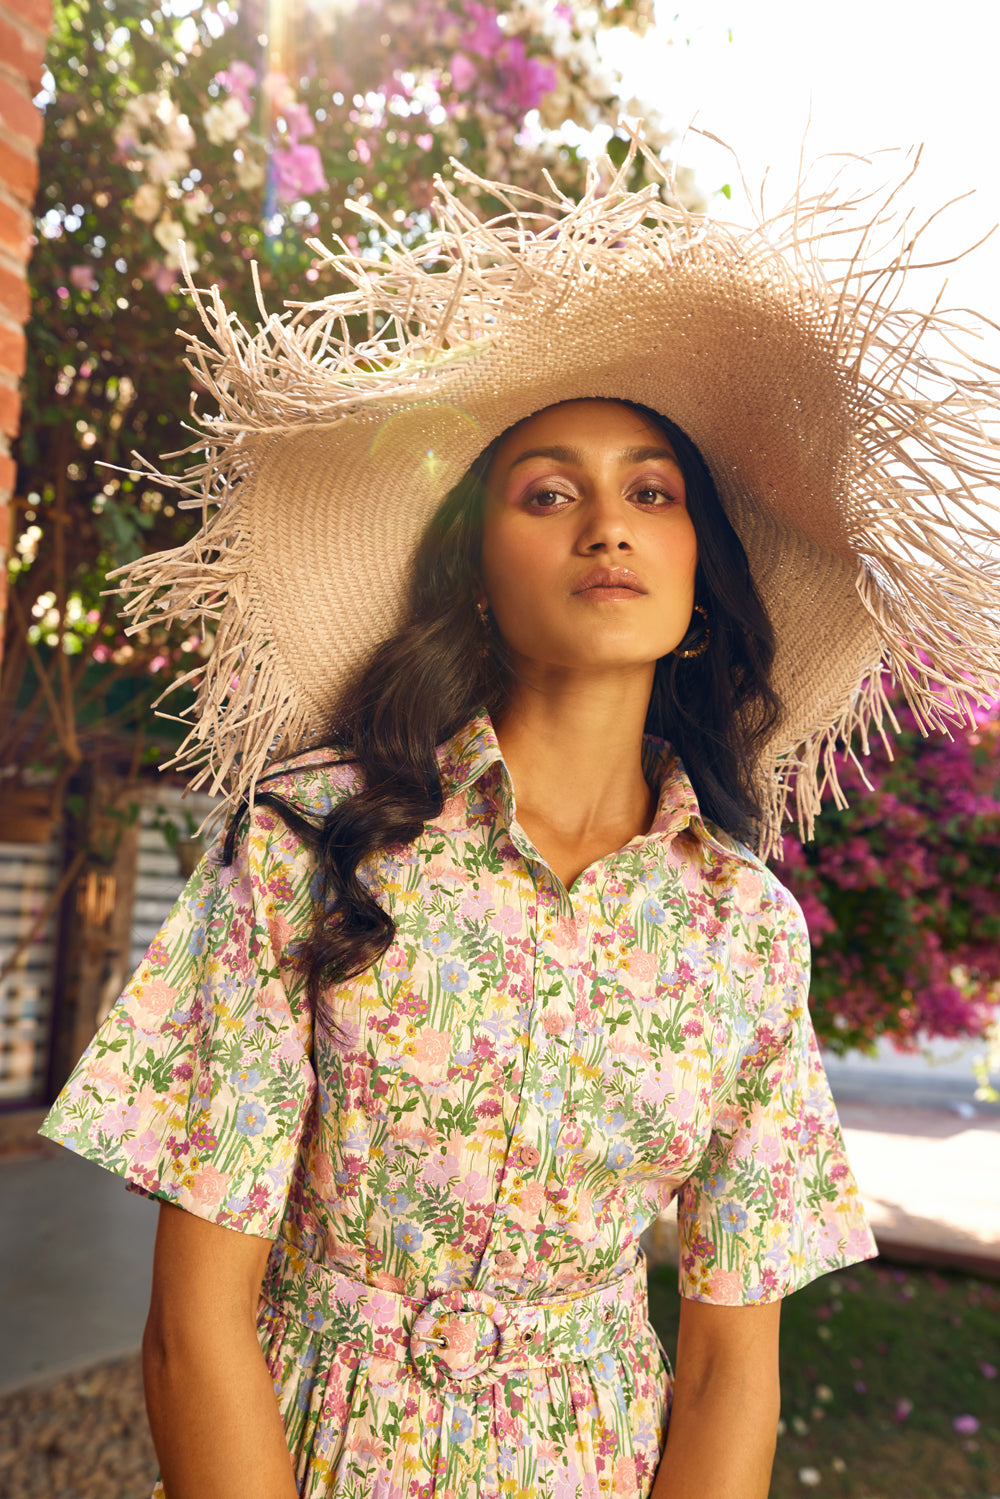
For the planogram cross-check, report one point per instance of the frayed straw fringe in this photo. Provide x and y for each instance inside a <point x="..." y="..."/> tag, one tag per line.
<point x="927" y="449"/>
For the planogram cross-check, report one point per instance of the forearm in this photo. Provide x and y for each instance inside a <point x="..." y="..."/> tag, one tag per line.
<point x="213" y="1412"/>
<point x="720" y="1440"/>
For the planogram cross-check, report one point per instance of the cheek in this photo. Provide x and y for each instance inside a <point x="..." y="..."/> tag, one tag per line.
<point x="516" y="562"/>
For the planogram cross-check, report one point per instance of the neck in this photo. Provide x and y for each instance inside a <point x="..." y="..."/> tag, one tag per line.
<point x="574" y="753"/>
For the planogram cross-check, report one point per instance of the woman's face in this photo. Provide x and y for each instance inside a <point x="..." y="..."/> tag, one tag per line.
<point x="589" y="552"/>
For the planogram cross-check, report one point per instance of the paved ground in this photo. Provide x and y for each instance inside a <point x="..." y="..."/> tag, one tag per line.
<point x="75" y="1247"/>
<point x="75" y="1253"/>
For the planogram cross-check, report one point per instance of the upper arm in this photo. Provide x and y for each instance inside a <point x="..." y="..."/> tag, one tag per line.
<point x="732" y="1343"/>
<point x="204" y="1271"/>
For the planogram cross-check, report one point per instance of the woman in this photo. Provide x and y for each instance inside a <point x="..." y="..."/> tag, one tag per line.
<point x="478" y="990"/>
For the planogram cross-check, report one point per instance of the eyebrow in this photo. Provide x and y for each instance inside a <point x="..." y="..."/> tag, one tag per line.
<point x="574" y="455"/>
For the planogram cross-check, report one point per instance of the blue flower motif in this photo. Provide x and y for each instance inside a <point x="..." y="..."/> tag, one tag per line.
<point x="246" y="1079"/>
<point x="408" y="1237"/>
<point x="454" y="977"/>
<point x="460" y="1426"/>
<point x="613" y="1122"/>
<point x="653" y="911"/>
<point x="550" y="1097"/>
<point x="588" y="1342"/>
<point x="250" y="1118"/>
<point x="604" y="1366"/>
<point x="733" y="1218"/>
<point x="438" y="941"/>
<point x="237" y="1204"/>
<point x="313" y="1317"/>
<point x="620" y="1156"/>
<point x="395" y="1202"/>
<point x="196" y="941"/>
<point x="716" y="1184"/>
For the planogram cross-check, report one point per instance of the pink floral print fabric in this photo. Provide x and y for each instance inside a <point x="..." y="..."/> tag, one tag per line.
<point x="500" y="1107"/>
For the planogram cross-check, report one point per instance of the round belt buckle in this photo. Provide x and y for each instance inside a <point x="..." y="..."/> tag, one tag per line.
<point x="457" y="1338"/>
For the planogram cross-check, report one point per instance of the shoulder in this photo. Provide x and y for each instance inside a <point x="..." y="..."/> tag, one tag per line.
<point x="763" y="909"/>
<point x="308" y="786"/>
<point x="312" y="782"/>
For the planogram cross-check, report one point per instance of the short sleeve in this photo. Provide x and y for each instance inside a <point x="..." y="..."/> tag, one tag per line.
<point x="197" y="1086"/>
<point x="773" y="1202"/>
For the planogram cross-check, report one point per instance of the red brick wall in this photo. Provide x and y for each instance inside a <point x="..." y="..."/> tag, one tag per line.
<point x="24" y="25"/>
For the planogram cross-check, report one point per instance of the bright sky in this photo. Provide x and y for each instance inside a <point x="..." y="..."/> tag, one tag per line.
<point x="870" y="73"/>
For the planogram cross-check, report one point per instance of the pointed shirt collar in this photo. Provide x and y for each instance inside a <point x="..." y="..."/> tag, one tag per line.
<point x="464" y="759"/>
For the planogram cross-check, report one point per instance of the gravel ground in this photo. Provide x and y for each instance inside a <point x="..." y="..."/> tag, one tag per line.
<point x="81" y="1437"/>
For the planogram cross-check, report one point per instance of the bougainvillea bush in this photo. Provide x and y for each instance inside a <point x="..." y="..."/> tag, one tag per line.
<point x="902" y="890"/>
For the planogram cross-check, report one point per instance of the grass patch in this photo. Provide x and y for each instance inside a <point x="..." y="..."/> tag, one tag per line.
<point x="877" y="1363"/>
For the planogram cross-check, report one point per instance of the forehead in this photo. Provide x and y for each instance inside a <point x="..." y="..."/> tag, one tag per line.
<point x="592" y="426"/>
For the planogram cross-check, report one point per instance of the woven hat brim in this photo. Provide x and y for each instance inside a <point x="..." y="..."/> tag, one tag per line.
<point x="803" y="396"/>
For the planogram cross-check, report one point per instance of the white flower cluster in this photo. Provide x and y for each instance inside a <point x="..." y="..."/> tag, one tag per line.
<point x="226" y="121"/>
<point x="156" y="140"/>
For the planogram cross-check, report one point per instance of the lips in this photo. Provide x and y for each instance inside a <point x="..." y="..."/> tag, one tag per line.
<point x="613" y="581"/>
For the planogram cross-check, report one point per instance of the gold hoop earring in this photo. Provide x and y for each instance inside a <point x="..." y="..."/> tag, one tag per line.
<point x="702" y="645"/>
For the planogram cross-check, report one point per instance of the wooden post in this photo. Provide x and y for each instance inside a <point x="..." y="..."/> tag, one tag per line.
<point x="96" y="914"/>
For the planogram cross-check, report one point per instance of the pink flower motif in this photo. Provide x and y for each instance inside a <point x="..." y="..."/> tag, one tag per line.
<point x="120" y="1120"/>
<point x="145" y="1146"/>
<point x="155" y="998"/>
<point x="209" y="1186"/>
<point x="726" y="1287"/>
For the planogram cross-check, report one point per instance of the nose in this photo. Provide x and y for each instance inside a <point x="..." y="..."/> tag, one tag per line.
<point x="605" y="523"/>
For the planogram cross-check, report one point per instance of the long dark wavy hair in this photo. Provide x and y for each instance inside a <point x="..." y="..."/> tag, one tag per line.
<point x="420" y="686"/>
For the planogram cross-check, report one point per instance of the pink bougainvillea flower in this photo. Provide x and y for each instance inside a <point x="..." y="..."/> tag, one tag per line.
<point x="82" y="277"/>
<point x="525" y="79"/>
<point x="966" y="1426"/>
<point x="298" y="120"/>
<point x="486" y="37"/>
<point x="239" y="80"/>
<point x="298" y="171"/>
<point x="463" y="72"/>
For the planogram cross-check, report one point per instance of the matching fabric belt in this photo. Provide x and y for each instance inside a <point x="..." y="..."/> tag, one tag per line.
<point x="461" y="1339"/>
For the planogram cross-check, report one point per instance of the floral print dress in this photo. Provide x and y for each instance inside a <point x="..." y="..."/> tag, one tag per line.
<point x="456" y="1156"/>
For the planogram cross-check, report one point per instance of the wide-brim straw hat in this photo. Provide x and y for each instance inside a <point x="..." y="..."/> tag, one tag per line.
<point x="851" y="447"/>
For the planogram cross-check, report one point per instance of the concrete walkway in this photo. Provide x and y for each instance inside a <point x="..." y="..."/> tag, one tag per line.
<point x="76" y="1247"/>
<point x="75" y="1257"/>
